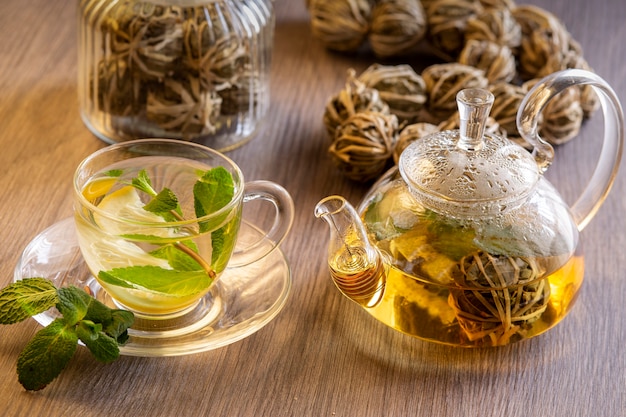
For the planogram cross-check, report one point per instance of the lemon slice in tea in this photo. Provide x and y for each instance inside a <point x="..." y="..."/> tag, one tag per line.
<point x="126" y="206"/>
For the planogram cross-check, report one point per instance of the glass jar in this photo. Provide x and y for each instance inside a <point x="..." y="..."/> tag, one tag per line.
<point x="194" y="70"/>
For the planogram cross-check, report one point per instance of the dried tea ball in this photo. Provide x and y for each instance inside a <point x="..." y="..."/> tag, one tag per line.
<point x="184" y="106"/>
<point x="400" y="87"/>
<point x="498" y="4"/>
<point x="444" y="81"/>
<point x="397" y="26"/>
<point x="355" y="97"/>
<point x="426" y="3"/>
<point x="447" y="21"/>
<point x="151" y="40"/>
<point x="561" y="117"/>
<point x="505" y="314"/>
<point x="218" y="56"/>
<point x="496" y="25"/>
<point x="588" y="97"/>
<point x="589" y="100"/>
<point x="496" y="60"/>
<point x="364" y="144"/>
<point x="242" y="96"/>
<point x="341" y="25"/>
<point x="506" y="102"/>
<point x="116" y="88"/>
<point x="410" y="134"/>
<point x="545" y="42"/>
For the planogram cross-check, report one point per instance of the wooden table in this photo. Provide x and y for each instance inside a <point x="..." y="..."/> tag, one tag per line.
<point x="322" y="355"/>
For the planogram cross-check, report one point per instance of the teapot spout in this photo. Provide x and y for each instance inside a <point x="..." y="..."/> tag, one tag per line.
<point x="355" y="265"/>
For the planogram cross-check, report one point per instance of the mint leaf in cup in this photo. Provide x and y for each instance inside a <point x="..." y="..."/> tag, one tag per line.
<point x="212" y="192"/>
<point x="165" y="204"/>
<point x="158" y="280"/>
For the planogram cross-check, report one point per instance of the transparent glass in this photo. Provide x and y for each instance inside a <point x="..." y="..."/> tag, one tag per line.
<point x="181" y="69"/>
<point x="241" y="302"/>
<point x="603" y="177"/>
<point x="480" y="281"/>
<point x="160" y="262"/>
<point x="356" y="267"/>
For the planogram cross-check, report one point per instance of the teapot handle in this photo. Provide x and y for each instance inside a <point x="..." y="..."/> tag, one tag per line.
<point x="604" y="174"/>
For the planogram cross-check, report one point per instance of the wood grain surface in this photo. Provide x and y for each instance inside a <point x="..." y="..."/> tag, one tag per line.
<point x="322" y="355"/>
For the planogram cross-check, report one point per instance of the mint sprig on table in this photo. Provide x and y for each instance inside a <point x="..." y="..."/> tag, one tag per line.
<point x="190" y="273"/>
<point x="101" y="329"/>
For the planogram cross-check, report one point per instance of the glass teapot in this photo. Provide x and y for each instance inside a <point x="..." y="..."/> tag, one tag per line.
<point x="465" y="242"/>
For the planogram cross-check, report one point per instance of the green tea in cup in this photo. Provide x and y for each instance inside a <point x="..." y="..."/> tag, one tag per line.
<point x="157" y="221"/>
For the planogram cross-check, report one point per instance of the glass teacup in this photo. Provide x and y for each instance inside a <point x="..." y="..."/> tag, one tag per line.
<point x="158" y="220"/>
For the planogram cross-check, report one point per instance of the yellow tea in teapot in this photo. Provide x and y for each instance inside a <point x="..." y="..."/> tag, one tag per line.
<point x="470" y="282"/>
<point x="463" y="282"/>
<point x="477" y="317"/>
<point x="357" y="277"/>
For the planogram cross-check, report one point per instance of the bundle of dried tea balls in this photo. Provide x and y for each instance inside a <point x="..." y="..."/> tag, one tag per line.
<point x="361" y="128"/>
<point x="393" y="27"/>
<point x="492" y="44"/>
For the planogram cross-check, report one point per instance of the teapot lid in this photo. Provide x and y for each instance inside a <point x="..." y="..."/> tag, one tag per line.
<point x="468" y="172"/>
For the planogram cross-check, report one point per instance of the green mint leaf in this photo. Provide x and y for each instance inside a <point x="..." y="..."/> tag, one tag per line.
<point x="142" y="182"/>
<point x="122" y="339"/>
<point x="164" y="202"/>
<point x="213" y="191"/>
<point x="102" y="346"/>
<point x="73" y="304"/>
<point x="114" y="173"/>
<point x="152" y="239"/>
<point x="114" y="322"/>
<point x="98" y="312"/>
<point x="449" y="237"/>
<point x="222" y="245"/>
<point x="88" y="330"/>
<point x="76" y="306"/>
<point x="110" y="278"/>
<point x="178" y="259"/>
<point x="217" y="240"/>
<point x="100" y="328"/>
<point x="117" y="328"/>
<point x="26" y="298"/>
<point x="45" y="356"/>
<point x="158" y="280"/>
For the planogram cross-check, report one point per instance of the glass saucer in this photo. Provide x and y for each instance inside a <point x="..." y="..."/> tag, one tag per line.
<point x="241" y="302"/>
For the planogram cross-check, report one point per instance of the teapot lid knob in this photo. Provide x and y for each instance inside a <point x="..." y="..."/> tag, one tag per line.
<point x="468" y="172"/>
<point x="474" y="105"/>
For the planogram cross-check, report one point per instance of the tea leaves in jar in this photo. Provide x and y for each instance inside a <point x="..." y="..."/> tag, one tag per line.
<point x="190" y="71"/>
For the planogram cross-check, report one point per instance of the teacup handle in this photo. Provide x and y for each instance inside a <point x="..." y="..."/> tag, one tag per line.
<point x="284" y="214"/>
<point x="603" y="177"/>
